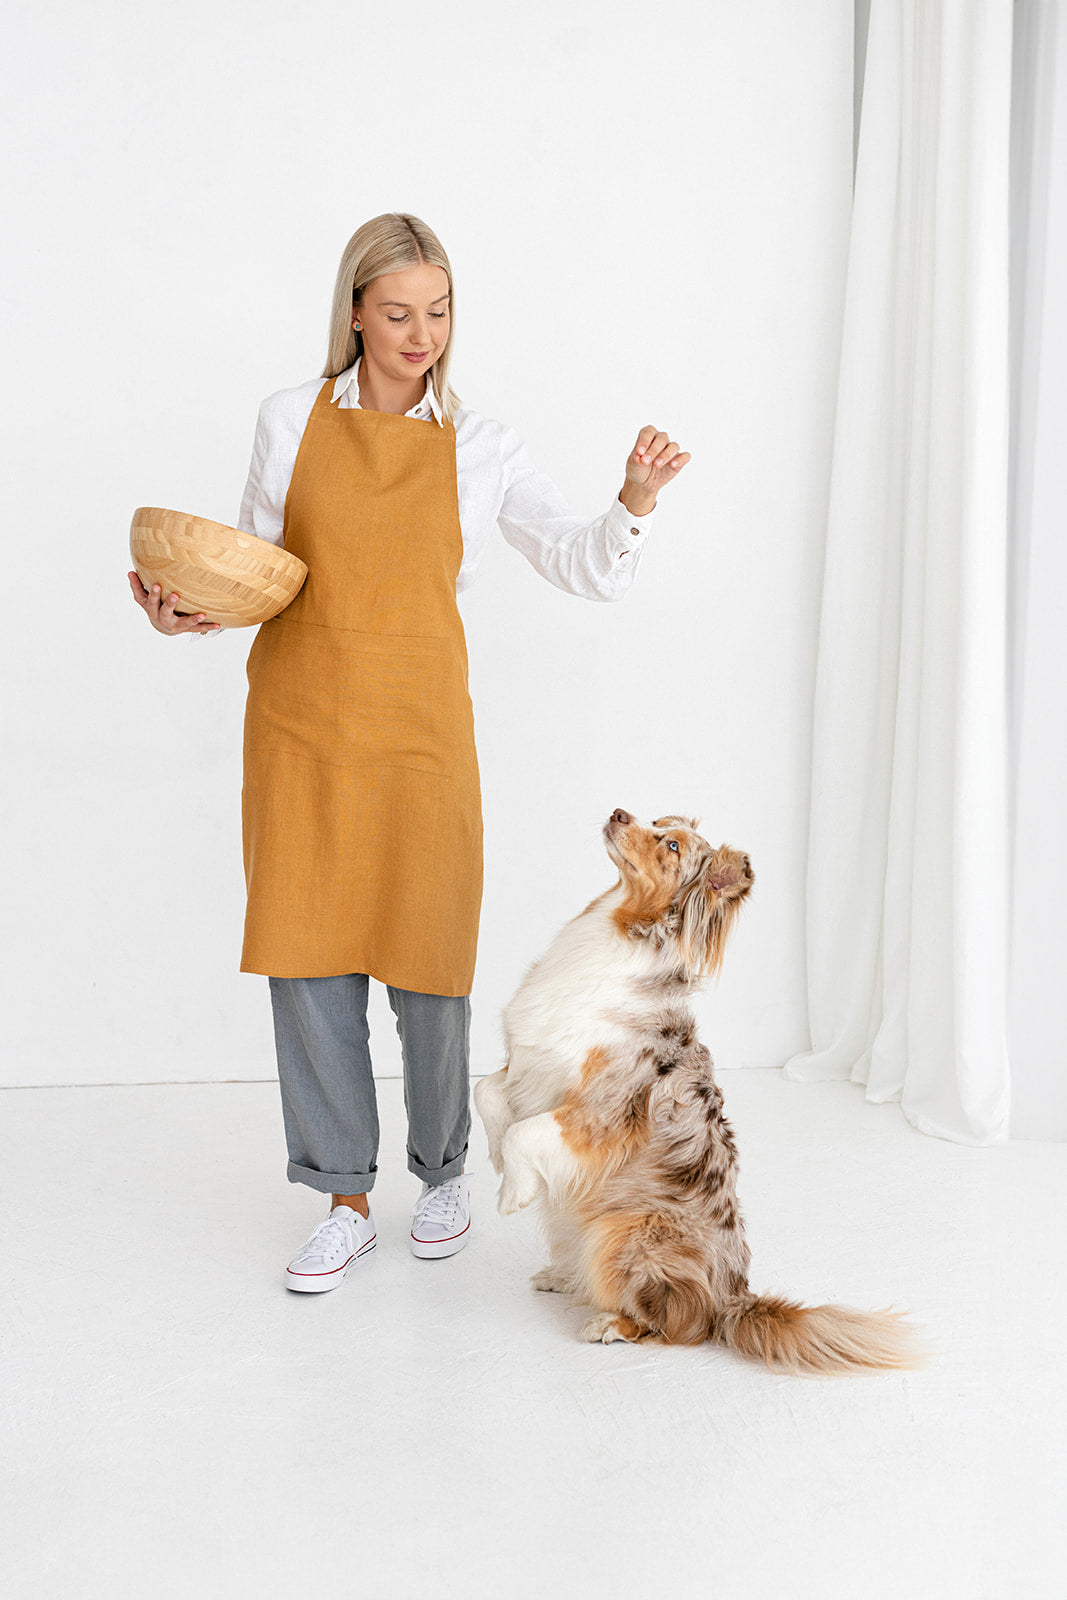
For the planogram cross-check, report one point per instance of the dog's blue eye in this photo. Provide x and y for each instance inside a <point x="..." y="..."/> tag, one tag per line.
<point x="672" y="844"/>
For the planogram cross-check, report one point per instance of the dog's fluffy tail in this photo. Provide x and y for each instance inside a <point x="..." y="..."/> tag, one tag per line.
<point x="817" y="1340"/>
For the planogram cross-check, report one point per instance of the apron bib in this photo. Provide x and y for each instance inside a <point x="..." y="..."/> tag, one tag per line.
<point x="361" y="802"/>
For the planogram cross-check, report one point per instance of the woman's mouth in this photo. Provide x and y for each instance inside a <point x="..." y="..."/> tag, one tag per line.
<point x="419" y="355"/>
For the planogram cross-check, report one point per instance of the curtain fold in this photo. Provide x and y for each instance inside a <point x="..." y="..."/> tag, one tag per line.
<point x="1037" y="645"/>
<point x="907" y="867"/>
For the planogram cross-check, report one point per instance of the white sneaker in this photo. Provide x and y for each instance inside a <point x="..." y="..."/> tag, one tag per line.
<point x="330" y="1250"/>
<point x="440" y="1223"/>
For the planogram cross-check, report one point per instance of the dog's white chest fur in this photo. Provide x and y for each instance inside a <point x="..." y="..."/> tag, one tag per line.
<point x="576" y="998"/>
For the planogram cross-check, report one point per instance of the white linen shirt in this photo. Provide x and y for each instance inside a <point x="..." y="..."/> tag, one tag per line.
<point x="497" y="484"/>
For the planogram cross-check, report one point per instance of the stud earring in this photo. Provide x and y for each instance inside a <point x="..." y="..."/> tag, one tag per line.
<point x="356" y="327"/>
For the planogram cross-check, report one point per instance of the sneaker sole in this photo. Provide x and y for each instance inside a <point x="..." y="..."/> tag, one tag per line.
<point x="431" y="1249"/>
<point x="319" y="1282"/>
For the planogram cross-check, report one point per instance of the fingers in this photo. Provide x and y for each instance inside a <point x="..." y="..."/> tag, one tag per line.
<point x="173" y="621"/>
<point x="163" y="612"/>
<point x="655" y="449"/>
<point x="659" y="455"/>
<point x="649" y="441"/>
<point x="192" y="621"/>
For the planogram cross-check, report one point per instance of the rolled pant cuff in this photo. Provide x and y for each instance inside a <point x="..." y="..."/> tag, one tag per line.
<point x="331" y="1182"/>
<point x="433" y="1175"/>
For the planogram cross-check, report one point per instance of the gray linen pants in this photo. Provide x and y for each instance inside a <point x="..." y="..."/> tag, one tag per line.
<point x="328" y="1101"/>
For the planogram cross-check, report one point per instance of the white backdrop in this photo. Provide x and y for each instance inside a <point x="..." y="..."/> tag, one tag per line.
<point x="647" y="218"/>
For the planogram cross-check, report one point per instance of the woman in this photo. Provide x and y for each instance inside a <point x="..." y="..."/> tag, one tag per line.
<point x="361" y="802"/>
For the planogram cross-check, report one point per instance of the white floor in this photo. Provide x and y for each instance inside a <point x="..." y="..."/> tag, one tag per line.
<point x="181" y="1425"/>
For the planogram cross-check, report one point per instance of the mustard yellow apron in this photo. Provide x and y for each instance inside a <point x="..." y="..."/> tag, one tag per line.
<point x="361" y="803"/>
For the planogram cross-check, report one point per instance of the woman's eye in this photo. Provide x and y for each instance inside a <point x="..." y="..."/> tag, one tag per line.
<point x="432" y="313"/>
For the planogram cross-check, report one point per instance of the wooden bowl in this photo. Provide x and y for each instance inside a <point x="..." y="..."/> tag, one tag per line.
<point x="232" y="577"/>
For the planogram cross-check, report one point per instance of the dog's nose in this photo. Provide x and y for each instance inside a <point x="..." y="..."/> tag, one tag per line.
<point x="621" y="817"/>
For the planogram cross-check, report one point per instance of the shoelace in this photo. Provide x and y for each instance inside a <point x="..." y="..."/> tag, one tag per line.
<point x="439" y="1204"/>
<point x="323" y="1242"/>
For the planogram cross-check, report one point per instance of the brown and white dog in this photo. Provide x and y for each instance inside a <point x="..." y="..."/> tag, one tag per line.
<point x="608" y="1113"/>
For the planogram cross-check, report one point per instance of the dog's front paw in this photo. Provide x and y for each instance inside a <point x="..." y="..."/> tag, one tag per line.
<point x="496" y="1158"/>
<point x="516" y="1193"/>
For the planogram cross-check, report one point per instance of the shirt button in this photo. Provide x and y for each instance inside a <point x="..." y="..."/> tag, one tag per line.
<point x="635" y="530"/>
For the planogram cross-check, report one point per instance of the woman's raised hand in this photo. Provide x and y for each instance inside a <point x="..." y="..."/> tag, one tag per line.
<point x="654" y="460"/>
<point x="162" y="613"/>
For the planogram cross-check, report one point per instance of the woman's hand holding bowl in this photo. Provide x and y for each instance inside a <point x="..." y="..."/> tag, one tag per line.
<point x="162" y="614"/>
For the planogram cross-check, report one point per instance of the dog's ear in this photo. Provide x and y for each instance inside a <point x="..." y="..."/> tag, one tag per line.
<point x="710" y="908"/>
<point x="729" y="874"/>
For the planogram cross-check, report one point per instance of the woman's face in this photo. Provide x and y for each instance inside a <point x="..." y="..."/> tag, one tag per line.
<point x="404" y="319"/>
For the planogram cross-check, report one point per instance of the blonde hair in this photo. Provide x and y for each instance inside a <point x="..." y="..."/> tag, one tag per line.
<point x="389" y="243"/>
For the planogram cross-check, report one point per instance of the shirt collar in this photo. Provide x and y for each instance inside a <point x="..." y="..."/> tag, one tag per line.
<point x="428" y="406"/>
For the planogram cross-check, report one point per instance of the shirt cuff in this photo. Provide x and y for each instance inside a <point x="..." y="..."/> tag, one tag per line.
<point x="628" y="532"/>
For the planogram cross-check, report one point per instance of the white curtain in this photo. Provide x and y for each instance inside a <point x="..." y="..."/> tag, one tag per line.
<point x="907" y="879"/>
<point x="1038" y="573"/>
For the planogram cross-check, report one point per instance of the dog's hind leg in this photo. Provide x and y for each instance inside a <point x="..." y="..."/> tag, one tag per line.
<point x="552" y="1281"/>
<point x="609" y="1285"/>
<point x="608" y="1327"/>
<point x="646" y="1275"/>
<point x="533" y="1152"/>
<point x="494" y="1108"/>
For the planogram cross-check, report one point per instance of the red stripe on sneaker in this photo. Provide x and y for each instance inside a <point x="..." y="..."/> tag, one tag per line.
<point x="332" y="1270"/>
<point x="445" y="1240"/>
